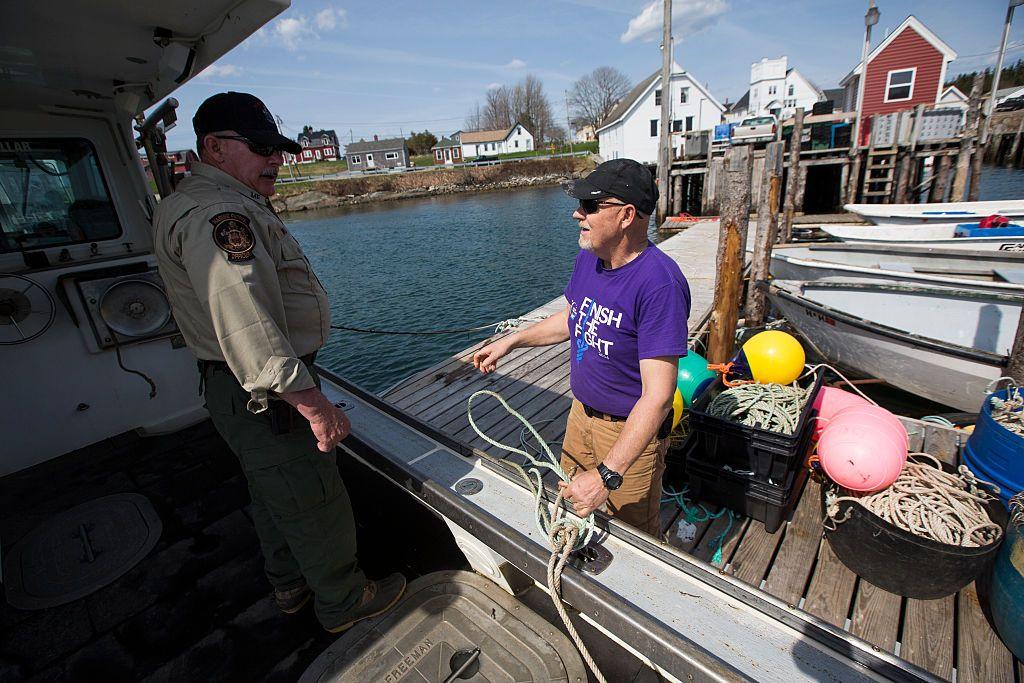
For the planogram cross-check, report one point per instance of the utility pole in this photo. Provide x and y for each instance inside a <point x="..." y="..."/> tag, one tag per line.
<point x="664" y="151"/>
<point x="870" y="19"/>
<point x="568" y="123"/>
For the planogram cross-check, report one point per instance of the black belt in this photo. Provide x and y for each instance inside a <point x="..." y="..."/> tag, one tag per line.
<point x="663" y="431"/>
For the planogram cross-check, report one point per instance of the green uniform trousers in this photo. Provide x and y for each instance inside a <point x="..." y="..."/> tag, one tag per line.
<point x="300" y="507"/>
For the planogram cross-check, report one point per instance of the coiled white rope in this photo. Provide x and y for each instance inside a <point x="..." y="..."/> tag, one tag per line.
<point x="930" y="503"/>
<point x="564" y="533"/>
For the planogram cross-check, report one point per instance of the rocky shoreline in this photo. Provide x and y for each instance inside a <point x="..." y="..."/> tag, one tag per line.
<point x="328" y="194"/>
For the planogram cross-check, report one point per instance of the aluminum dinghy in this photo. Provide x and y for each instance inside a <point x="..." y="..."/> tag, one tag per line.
<point x="943" y="343"/>
<point x="939" y="213"/>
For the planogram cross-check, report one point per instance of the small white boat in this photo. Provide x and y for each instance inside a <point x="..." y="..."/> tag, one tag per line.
<point x="943" y="343"/>
<point x="921" y="235"/>
<point x="944" y="213"/>
<point x="986" y="270"/>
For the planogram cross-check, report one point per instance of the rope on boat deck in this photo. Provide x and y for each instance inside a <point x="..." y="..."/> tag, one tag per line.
<point x="499" y="327"/>
<point x="1008" y="412"/>
<point x="930" y="503"/>
<point x="697" y="514"/>
<point x="775" y="407"/>
<point x="565" y="534"/>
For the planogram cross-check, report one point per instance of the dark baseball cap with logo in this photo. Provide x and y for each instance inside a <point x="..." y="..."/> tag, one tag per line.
<point x="623" y="179"/>
<point x="244" y="113"/>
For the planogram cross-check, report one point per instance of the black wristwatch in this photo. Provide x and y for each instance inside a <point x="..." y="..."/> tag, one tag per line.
<point x="612" y="479"/>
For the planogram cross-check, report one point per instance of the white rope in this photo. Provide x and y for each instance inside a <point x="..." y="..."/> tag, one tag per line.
<point x="564" y="533"/>
<point x="930" y="503"/>
<point x="811" y="369"/>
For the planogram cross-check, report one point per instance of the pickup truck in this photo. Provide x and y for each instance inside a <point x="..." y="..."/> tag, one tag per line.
<point x="755" y="129"/>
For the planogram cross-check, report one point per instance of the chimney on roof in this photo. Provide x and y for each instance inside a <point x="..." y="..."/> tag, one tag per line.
<point x="375" y="137"/>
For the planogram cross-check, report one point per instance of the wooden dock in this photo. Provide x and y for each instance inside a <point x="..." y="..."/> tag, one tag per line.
<point x="950" y="637"/>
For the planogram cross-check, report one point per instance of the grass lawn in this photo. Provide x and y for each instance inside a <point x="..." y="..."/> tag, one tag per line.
<point x="420" y="160"/>
<point x="544" y="151"/>
<point x="315" y="168"/>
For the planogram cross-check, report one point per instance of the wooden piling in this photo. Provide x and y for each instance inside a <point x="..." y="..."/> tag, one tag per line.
<point x="903" y="172"/>
<point x="907" y="165"/>
<point x="1011" y="157"/>
<point x="940" y="169"/>
<point x="767" y="230"/>
<point x="677" y="195"/>
<point x="709" y="203"/>
<point x="735" y="217"/>
<point x="967" y="140"/>
<point x="794" y="175"/>
<point x="1015" y="368"/>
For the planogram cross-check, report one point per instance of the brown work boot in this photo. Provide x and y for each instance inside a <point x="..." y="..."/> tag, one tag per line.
<point x="292" y="600"/>
<point x="378" y="597"/>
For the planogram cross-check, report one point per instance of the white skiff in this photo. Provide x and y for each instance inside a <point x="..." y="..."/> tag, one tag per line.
<point x="943" y="343"/>
<point x="945" y="213"/>
<point x="920" y="235"/>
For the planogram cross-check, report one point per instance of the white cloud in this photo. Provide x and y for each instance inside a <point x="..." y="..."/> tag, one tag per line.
<point x="221" y="71"/>
<point x="493" y="86"/>
<point x="331" y="18"/>
<point x="515" y="64"/>
<point x="687" y="18"/>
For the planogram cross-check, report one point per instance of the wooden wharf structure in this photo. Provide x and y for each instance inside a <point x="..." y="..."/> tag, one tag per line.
<point x="950" y="637"/>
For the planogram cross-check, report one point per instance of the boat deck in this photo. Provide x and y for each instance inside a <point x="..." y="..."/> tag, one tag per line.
<point x="950" y="637"/>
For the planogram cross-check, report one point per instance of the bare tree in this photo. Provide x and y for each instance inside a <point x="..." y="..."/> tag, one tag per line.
<point x="594" y="96"/>
<point x="498" y="110"/>
<point x="524" y="102"/>
<point x="474" y="120"/>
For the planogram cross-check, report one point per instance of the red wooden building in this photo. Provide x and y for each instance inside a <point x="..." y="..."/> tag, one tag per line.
<point x="906" y="69"/>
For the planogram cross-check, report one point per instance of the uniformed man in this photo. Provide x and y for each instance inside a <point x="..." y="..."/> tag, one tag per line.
<point x="251" y="309"/>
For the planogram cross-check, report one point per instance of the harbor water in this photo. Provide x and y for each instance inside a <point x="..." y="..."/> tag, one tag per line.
<point x="451" y="262"/>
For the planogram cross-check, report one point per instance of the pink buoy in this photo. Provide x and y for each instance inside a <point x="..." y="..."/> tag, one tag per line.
<point x="883" y="416"/>
<point x="830" y="401"/>
<point x="861" y="452"/>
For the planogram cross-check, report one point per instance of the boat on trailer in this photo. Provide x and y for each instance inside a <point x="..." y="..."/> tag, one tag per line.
<point x="946" y="344"/>
<point x="997" y="271"/>
<point x="90" y="346"/>
<point x="942" y="236"/>
<point x="937" y="213"/>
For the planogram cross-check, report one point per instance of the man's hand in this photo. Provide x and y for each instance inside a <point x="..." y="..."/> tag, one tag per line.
<point x="329" y="423"/>
<point x="586" y="492"/>
<point x="330" y="428"/>
<point x="486" y="359"/>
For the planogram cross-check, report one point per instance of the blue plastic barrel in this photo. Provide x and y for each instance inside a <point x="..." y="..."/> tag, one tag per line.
<point x="996" y="454"/>
<point x="1008" y="583"/>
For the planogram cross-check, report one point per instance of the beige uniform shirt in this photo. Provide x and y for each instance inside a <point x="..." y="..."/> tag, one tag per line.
<point x="241" y="289"/>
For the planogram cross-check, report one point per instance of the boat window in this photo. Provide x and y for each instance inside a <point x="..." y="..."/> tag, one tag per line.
<point x="52" y="194"/>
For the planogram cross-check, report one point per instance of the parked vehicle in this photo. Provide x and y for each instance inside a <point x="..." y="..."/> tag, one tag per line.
<point x="755" y="129"/>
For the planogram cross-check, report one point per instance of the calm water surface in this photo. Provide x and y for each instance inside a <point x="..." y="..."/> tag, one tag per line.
<point x="434" y="263"/>
<point x="452" y="262"/>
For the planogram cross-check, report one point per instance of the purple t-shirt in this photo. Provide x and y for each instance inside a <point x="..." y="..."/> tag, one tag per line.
<point x="618" y="317"/>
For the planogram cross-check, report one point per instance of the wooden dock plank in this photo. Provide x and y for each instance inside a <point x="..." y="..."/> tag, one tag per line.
<point x="831" y="589"/>
<point x="795" y="560"/>
<point x="737" y="527"/>
<point x="876" y="616"/>
<point x="927" y="638"/>
<point x="981" y="656"/>
<point x="754" y="554"/>
<point x="686" y="535"/>
<point x="506" y="378"/>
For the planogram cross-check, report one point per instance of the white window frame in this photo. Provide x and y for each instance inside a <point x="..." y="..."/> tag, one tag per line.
<point x="307" y="153"/>
<point x="657" y="97"/>
<point x="357" y="159"/>
<point x="390" y="156"/>
<point x="684" y="95"/>
<point x="771" y="89"/>
<point x="369" y="156"/>
<point x="790" y="90"/>
<point x="888" y="84"/>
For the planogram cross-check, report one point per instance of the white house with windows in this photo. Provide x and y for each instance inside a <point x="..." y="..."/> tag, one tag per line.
<point x="486" y="143"/>
<point x="775" y="88"/>
<point x="631" y="129"/>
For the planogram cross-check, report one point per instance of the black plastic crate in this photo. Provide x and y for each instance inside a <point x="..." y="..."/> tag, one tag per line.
<point x="766" y="503"/>
<point x="768" y="457"/>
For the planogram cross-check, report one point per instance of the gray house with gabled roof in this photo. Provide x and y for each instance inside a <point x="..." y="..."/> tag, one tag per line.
<point x="367" y="155"/>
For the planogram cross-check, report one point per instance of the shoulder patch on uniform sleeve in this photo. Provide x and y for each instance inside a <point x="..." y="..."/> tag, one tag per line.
<point x="231" y="232"/>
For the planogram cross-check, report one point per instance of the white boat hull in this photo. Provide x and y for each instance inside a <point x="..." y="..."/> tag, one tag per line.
<point x="958" y="268"/>
<point x="946" y="376"/>
<point x="945" y="213"/>
<point x="920" y="235"/>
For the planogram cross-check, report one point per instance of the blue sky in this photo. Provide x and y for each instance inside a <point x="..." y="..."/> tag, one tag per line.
<point x="393" y="66"/>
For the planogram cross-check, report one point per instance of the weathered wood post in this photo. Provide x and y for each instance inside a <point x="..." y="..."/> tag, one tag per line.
<point x="1015" y="368"/>
<point x="963" y="160"/>
<point x="1011" y="157"/>
<point x="905" y="169"/>
<point x="735" y="212"/>
<point x="767" y="229"/>
<point x="677" y="194"/>
<point x="712" y="182"/>
<point x="794" y="176"/>
<point x="941" y="183"/>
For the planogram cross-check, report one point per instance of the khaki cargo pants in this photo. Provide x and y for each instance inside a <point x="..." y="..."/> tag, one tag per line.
<point x="637" y="501"/>
<point x="300" y="507"/>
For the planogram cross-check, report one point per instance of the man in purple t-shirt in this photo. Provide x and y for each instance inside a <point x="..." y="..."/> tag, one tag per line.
<point x="626" y="313"/>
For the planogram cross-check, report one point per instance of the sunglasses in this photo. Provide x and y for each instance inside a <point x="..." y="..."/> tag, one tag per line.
<point x="594" y="205"/>
<point x="257" y="149"/>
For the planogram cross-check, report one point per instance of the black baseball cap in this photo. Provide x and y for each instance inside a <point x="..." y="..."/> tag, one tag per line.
<point x="243" y="113"/>
<point x="623" y="179"/>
